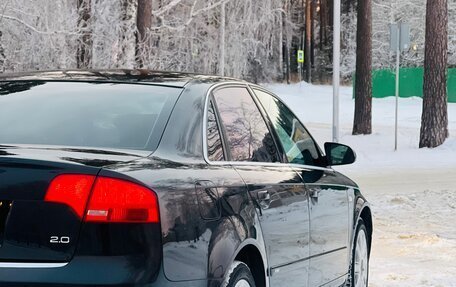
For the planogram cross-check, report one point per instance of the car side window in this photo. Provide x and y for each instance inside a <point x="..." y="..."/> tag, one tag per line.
<point x="214" y="140"/>
<point x="296" y="141"/>
<point x="248" y="137"/>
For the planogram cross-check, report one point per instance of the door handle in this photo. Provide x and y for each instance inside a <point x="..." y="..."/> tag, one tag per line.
<point x="263" y="195"/>
<point x="264" y="199"/>
<point x="315" y="193"/>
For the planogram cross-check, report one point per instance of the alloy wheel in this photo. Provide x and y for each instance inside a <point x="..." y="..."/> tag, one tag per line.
<point x="361" y="260"/>
<point x="242" y="283"/>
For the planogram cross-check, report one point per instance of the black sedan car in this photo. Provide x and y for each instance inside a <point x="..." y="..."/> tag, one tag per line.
<point x="144" y="178"/>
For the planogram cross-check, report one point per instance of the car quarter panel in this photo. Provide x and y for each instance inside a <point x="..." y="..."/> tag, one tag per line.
<point x="205" y="210"/>
<point x="195" y="246"/>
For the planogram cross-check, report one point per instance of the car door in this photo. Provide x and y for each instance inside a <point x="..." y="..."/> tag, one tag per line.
<point x="276" y="188"/>
<point x="329" y="213"/>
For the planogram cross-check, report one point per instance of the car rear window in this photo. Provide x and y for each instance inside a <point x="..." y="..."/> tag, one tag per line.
<point x="102" y="115"/>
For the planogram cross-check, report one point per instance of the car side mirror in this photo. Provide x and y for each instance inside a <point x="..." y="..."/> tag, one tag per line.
<point x="339" y="154"/>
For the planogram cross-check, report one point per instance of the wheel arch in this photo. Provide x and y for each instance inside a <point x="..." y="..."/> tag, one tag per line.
<point x="365" y="214"/>
<point x="362" y="211"/>
<point x="250" y="254"/>
<point x="236" y="247"/>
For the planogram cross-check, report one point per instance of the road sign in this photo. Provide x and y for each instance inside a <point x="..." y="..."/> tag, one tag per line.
<point x="405" y="37"/>
<point x="393" y="37"/>
<point x="300" y="56"/>
<point x="399" y="35"/>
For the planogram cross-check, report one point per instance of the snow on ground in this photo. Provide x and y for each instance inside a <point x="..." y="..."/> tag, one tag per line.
<point x="412" y="191"/>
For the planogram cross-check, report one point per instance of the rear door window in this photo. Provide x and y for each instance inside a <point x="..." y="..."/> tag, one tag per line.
<point x="248" y="137"/>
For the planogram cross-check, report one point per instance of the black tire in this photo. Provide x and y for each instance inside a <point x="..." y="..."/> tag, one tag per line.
<point x="238" y="272"/>
<point x="351" y="275"/>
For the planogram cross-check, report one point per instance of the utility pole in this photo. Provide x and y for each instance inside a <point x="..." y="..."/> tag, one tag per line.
<point x="336" y="70"/>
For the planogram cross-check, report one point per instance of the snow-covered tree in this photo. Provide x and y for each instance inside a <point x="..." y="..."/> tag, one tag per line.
<point x="260" y="42"/>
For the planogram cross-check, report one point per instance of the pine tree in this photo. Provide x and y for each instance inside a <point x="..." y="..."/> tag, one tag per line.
<point x="434" y="119"/>
<point x="363" y="80"/>
<point x="308" y="41"/>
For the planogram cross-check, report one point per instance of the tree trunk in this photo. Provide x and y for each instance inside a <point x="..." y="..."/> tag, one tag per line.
<point x="281" y="40"/>
<point x="363" y="83"/>
<point x="287" y="41"/>
<point x="312" y="33"/>
<point x="434" y="119"/>
<point x="84" y="46"/>
<point x="287" y="63"/>
<point x="2" y="55"/>
<point x="330" y="14"/>
<point x="323" y="40"/>
<point x="222" y="39"/>
<point x="308" y="40"/>
<point x="330" y="11"/>
<point x="143" y="24"/>
<point x="127" y="40"/>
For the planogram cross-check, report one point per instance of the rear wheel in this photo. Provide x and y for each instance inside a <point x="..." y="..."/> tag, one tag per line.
<point x="359" y="267"/>
<point x="239" y="275"/>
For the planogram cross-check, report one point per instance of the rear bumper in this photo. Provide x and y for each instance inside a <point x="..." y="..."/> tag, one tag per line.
<point x="85" y="271"/>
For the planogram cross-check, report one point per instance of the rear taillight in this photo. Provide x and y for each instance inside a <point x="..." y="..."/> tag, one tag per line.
<point x="72" y="190"/>
<point x="111" y="200"/>
<point x="115" y="200"/>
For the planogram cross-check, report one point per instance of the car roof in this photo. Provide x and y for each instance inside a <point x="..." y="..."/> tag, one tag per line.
<point x="134" y="76"/>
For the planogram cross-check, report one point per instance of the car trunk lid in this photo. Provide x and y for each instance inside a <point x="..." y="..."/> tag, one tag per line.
<point x="33" y="229"/>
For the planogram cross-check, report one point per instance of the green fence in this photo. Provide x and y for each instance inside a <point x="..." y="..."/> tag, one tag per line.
<point x="410" y="85"/>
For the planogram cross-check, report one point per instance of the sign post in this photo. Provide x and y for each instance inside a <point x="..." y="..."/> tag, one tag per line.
<point x="399" y="41"/>
<point x="300" y="63"/>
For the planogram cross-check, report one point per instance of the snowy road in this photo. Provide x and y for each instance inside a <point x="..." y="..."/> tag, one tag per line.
<point x="415" y="235"/>
<point x="412" y="192"/>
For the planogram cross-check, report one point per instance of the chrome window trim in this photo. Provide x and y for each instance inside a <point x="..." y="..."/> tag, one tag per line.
<point x="310" y="167"/>
<point x="333" y="185"/>
<point x="31" y="265"/>
<point x="243" y="163"/>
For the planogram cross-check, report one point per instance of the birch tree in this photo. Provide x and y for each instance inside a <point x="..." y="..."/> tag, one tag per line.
<point x="261" y="37"/>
